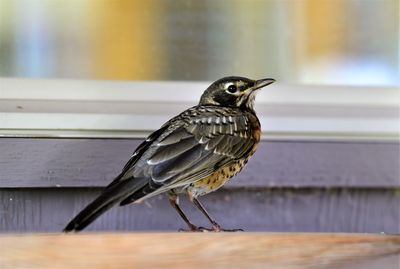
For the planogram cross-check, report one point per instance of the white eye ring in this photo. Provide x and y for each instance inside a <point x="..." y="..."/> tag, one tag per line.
<point x="232" y="89"/>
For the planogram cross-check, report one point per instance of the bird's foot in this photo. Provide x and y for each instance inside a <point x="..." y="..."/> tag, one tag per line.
<point x="194" y="228"/>
<point x="217" y="228"/>
<point x="231" y="230"/>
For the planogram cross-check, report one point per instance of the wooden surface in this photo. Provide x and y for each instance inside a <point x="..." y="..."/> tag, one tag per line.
<point x="273" y="210"/>
<point x="205" y="250"/>
<point x="95" y="162"/>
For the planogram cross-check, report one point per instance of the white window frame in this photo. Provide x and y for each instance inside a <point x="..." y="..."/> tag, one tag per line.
<point x="84" y="108"/>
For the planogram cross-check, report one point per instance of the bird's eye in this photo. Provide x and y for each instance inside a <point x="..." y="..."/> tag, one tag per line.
<point x="232" y="89"/>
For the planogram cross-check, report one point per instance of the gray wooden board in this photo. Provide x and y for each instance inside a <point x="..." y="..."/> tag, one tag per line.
<point x="29" y="162"/>
<point x="276" y="209"/>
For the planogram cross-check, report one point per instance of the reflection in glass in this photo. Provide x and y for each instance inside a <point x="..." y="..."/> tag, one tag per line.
<point x="353" y="42"/>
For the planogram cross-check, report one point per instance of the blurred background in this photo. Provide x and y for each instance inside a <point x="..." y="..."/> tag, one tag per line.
<point x="340" y="42"/>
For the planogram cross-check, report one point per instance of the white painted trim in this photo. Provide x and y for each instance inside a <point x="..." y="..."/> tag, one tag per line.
<point x="178" y="91"/>
<point x="120" y="109"/>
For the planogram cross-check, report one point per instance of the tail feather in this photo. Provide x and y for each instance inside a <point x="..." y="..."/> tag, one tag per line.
<point x="111" y="196"/>
<point x="89" y="214"/>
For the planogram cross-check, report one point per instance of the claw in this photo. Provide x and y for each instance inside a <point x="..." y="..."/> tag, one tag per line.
<point x="217" y="228"/>
<point x="205" y="230"/>
<point x="196" y="229"/>
<point x="232" y="230"/>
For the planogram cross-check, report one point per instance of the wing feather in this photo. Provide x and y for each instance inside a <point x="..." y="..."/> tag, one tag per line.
<point x="171" y="151"/>
<point x="165" y="170"/>
<point x="190" y="147"/>
<point x="196" y="149"/>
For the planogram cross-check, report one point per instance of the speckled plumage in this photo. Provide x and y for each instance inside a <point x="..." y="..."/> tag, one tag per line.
<point x="196" y="152"/>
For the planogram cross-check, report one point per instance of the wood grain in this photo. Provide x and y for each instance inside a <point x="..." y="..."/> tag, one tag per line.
<point x="29" y="162"/>
<point x="273" y="210"/>
<point x="187" y="250"/>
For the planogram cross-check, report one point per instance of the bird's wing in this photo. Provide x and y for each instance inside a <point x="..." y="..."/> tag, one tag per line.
<point x="193" y="147"/>
<point x="140" y="150"/>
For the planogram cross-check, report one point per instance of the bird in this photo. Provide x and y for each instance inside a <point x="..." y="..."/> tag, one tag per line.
<point x="193" y="154"/>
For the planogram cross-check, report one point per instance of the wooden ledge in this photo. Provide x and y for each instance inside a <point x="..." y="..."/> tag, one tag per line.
<point x="206" y="250"/>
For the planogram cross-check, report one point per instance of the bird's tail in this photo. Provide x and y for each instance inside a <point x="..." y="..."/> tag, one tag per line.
<point x="110" y="196"/>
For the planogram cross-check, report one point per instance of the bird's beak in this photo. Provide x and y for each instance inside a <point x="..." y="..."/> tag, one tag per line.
<point x="262" y="83"/>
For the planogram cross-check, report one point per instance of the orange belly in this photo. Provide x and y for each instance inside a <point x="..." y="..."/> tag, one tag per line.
<point x="218" y="178"/>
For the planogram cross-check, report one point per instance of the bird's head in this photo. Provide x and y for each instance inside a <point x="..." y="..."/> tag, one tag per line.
<point x="233" y="92"/>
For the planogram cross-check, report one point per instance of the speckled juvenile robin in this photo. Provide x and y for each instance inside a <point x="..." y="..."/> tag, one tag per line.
<point x="195" y="153"/>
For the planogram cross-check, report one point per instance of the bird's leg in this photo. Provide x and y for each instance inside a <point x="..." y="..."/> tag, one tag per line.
<point x="215" y="226"/>
<point x="174" y="201"/>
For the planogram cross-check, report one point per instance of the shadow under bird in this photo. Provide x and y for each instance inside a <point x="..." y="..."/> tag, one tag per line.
<point x="194" y="153"/>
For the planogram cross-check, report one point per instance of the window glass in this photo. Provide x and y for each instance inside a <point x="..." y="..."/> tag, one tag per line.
<point x="346" y="42"/>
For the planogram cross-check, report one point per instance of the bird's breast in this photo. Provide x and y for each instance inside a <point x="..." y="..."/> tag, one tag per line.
<point x="216" y="180"/>
<point x="220" y="177"/>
